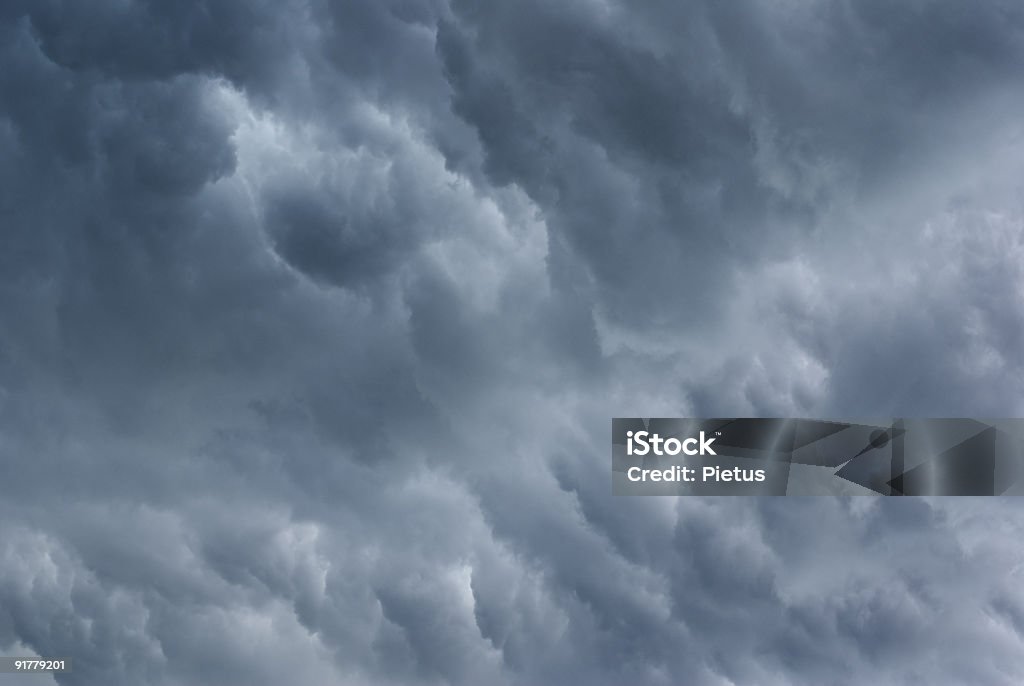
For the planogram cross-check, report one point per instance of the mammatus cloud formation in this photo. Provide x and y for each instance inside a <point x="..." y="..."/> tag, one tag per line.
<point x="314" y="315"/>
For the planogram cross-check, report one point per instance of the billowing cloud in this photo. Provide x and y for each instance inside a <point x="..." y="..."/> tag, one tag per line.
<point x="314" y="315"/>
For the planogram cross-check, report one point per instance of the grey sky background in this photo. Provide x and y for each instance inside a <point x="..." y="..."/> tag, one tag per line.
<point x="313" y="316"/>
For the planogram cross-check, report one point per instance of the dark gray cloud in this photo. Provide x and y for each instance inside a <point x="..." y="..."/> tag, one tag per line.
<point x="314" y="315"/>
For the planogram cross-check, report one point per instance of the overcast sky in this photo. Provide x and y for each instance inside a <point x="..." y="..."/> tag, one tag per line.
<point x="314" y="314"/>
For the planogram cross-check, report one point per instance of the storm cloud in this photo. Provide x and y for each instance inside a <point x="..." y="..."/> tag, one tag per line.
<point x="313" y="316"/>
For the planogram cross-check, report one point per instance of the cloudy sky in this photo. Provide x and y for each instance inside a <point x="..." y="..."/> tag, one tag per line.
<point x="314" y="314"/>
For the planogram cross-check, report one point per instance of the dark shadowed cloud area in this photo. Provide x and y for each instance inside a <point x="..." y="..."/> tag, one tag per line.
<point x="314" y="314"/>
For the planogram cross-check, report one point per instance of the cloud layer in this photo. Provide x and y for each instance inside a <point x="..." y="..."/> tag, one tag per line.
<point x="314" y="315"/>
